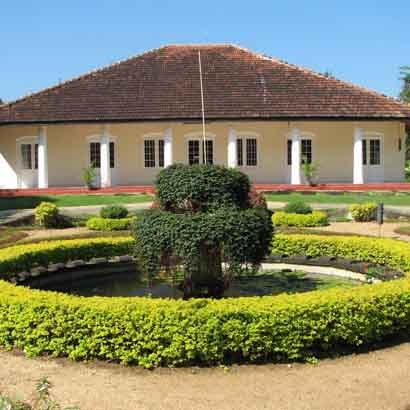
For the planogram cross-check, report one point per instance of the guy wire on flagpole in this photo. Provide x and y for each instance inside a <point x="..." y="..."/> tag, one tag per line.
<point x="203" y="109"/>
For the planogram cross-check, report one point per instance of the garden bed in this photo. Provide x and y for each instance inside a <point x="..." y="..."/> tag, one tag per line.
<point x="162" y="332"/>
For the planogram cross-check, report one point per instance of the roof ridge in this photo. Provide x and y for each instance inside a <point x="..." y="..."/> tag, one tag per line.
<point x="316" y="73"/>
<point x="79" y="77"/>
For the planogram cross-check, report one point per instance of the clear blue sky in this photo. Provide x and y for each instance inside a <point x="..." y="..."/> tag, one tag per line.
<point x="45" y="41"/>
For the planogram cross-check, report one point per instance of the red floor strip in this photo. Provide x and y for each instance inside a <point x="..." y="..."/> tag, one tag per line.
<point x="149" y="189"/>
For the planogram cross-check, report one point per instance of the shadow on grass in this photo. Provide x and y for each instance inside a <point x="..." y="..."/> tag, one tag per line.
<point x="23" y="202"/>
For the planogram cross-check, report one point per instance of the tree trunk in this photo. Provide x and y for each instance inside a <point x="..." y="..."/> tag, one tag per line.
<point x="208" y="276"/>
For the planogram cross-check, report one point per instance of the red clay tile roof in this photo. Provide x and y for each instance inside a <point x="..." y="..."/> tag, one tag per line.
<point x="164" y="84"/>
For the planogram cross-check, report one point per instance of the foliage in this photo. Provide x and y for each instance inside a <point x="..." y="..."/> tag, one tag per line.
<point x="405" y="77"/>
<point x="187" y="188"/>
<point x="20" y="258"/>
<point x="257" y="199"/>
<point x="46" y="214"/>
<point x="316" y="218"/>
<point x="245" y="236"/>
<point x="378" y="251"/>
<point x="298" y="207"/>
<point x="42" y="401"/>
<point x="108" y="224"/>
<point x="205" y="223"/>
<point x="310" y="171"/>
<point x="162" y="332"/>
<point x="363" y="212"/>
<point x="407" y="169"/>
<point x="114" y="212"/>
<point x="89" y="176"/>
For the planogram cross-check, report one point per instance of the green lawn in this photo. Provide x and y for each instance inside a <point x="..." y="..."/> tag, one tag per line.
<point x="27" y="202"/>
<point x="388" y="198"/>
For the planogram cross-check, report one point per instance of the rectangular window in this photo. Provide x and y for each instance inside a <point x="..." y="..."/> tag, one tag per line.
<point x="161" y="159"/>
<point x="251" y="152"/>
<point x="95" y="154"/>
<point x="374" y="148"/>
<point x="289" y="152"/>
<point x="239" y="152"/>
<point x="149" y="153"/>
<point x="35" y="156"/>
<point x="26" y="156"/>
<point x="112" y="155"/>
<point x="209" y="157"/>
<point x="306" y="151"/>
<point x="193" y="152"/>
<point x="364" y="152"/>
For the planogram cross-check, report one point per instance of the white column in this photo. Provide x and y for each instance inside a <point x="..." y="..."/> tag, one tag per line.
<point x="358" y="156"/>
<point x="168" y="147"/>
<point x="296" y="157"/>
<point x="42" y="158"/>
<point x="105" y="170"/>
<point x="232" y="149"/>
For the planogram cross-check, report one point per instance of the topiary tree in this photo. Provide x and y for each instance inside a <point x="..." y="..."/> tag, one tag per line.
<point x="207" y="224"/>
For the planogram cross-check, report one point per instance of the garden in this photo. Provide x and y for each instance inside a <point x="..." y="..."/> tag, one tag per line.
<point x="192" y="281"/>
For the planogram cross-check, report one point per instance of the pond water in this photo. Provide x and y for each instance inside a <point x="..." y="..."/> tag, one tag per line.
<point x="131" y="284"/>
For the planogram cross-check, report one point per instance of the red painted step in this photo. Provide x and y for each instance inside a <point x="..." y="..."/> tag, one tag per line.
<point x="149" y="189"/>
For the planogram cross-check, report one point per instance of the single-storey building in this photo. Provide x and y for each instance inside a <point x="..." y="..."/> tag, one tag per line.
<point x="263" y="115"/>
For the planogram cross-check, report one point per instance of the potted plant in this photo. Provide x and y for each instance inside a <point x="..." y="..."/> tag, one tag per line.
<point x="89" y="175"/>
<point x="310" y="171"/>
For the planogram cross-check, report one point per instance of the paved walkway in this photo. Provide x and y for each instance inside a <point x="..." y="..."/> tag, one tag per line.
<point x="377" y="380"/>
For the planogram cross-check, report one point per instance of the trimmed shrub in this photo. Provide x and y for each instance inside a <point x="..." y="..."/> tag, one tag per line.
<point x="185" y="188"/>
<point x="106" y="224"/>
<point x="298" y="207"/>
<point x="20" y="258"/>
<point x="363" y="212"/>
<point x="316" y="218"/>
<point x="114" y="212"/>
<point x="46" y="214"/>
<point x="163" y="332"/>
<point x="379" y="251"/>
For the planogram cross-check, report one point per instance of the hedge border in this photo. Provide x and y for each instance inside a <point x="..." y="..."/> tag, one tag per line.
<point x="152" y="332"/>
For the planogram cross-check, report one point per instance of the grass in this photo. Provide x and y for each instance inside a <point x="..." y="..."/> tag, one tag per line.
<point x="388" y="198"/>
<point x="403" y="230"/>
<point x="30" y="202"/>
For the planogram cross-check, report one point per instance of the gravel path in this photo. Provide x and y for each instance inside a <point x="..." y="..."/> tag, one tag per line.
<point x="377" y="380"/>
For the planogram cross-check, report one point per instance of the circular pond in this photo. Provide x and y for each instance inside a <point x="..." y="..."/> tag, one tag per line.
<point x="131" y="284"/>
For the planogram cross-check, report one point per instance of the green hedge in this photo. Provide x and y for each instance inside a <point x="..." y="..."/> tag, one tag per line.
<point x="385" y="252"/>
<point x="109" y="224"/>
<point x="316" y="218"/>
<point x="22" y="257"/>
<point x="161" y="332"/>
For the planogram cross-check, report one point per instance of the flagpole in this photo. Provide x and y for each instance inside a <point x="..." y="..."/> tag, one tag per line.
<point x="203" y="108"/>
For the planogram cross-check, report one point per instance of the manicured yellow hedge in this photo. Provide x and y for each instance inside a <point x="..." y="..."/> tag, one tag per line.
<point x="109" y="224"/>
<point x="160" y="332"/>
<point x="316" y="218"/>
<point x="23" y="257"/>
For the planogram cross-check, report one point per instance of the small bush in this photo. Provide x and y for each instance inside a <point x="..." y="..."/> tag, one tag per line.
<point x="298" y="207"/>
<point x="107" y="224"/>
<point x="316" y="218"/>
<point x="363" y="212"/>
<point x="42" y="401"/>
<point x="46" y="214"/>
<point x="114" y="212"/>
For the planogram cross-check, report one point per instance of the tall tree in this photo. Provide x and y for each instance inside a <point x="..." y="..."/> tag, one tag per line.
<point x="405" y="77"/>
<point x="405" y="96"/>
